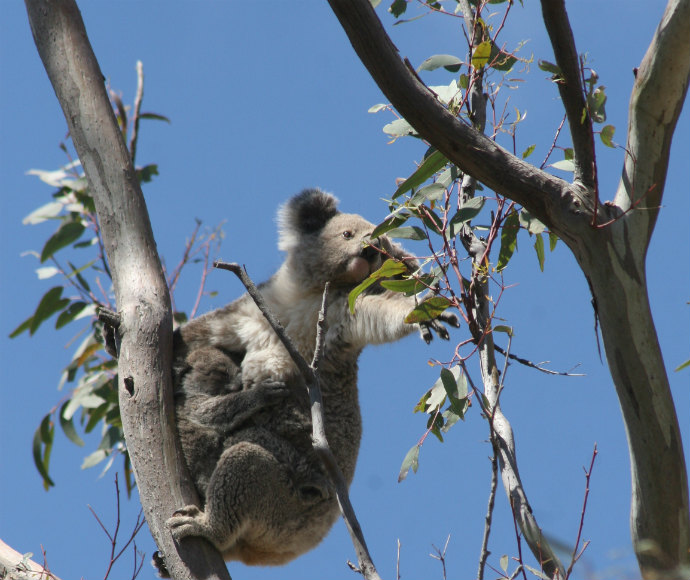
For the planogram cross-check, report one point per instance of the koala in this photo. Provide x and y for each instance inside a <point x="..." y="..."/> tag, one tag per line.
<point x="242" y="408"/>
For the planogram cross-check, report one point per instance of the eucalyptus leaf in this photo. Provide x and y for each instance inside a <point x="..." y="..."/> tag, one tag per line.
<point x="411" y="461"/>
<point x="508" y="240"/>
<point x="428" y="310"/>
<point x="67" y="233"/>
<point x="447" y="61"/>
<point x="433" y="163"/>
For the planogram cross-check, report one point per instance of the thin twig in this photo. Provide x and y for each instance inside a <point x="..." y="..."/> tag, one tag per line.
<point x="537" y="366"/>
<point x="441" y="556"/>
<point x="576" y="556"/>
<point x="137" y="108"/>
<point x="484" y="553"/>
<point x="553" y="143"/>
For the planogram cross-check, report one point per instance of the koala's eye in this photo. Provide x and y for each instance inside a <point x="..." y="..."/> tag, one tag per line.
<point x="348" y="235"/>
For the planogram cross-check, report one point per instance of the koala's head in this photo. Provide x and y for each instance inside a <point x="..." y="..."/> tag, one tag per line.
<point x="323" y="244"/>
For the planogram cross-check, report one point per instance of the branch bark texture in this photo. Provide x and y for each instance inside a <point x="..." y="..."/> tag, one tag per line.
<point x="145" y="331"/>
<point x="609" y="241"/>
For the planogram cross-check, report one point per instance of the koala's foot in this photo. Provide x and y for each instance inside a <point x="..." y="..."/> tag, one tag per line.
<point x="158" y="563"/>
<point x="315" y="491"/>
<point x="187" y="521"/>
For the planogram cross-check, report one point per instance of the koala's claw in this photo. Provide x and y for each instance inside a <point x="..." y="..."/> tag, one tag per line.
<point x="437" y="326"/>
<point x="188" y="510"/>
<point x="186" y="521"/>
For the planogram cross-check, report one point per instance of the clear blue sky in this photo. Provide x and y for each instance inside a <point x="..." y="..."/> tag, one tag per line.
<point x="266" y="99"/>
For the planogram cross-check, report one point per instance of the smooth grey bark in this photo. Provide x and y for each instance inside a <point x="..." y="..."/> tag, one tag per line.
<point x="16" y="566"/>
<point x="609" y="242"/>
<point x="143" y="302"/>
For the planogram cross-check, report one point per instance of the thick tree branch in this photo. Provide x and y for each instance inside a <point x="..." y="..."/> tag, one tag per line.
<point x="16" y="566"/>
<point x="570" y="89"/>
<point x="145" y="330"/>
<point x="552" y="200"/>
<point x="661" y="85"/>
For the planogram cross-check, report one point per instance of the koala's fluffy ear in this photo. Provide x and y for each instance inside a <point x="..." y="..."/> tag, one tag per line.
<point x="305" y="213"/>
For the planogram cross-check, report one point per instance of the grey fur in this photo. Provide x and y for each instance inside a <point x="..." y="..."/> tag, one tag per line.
<point x="242" y="409"/>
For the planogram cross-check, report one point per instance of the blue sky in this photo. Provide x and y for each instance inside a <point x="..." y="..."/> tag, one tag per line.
<point x="265" y="101"/>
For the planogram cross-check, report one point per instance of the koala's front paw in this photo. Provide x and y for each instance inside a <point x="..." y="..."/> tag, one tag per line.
<point x="437" y="326"/>
<point x="272" y="392"/>
<point x="187" y="521"/>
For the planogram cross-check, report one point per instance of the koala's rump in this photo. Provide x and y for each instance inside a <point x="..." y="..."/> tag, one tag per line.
<point x="290" y="503"/>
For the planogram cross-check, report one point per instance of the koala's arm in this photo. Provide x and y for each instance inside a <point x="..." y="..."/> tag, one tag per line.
<point x="230" y="412"/>
<point x="380" y="318"/>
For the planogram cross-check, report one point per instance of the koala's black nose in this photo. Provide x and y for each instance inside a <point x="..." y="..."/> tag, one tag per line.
<point x="372" y="248"/>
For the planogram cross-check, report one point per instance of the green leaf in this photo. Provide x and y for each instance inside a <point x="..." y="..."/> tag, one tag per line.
<point x="77" y="273"/>
<point x="67" y="233"/>
<point x="398" y="8"/>
<point x="399" y="128"/>
<point x="501" y="60"/>
<point x="432" y="192"/>
<point x="45" y="212"/>
<point x="408" y="233"/>
<point x="433" y="163"/>
<point x="411" y="461"/>
<point x="70" y="313"/>
<point x="430" y="219"/>
<point x="549" y="67"/>
<point x="145" y="174"/>
<point x="508" y="240"/>
<point x="46" y="272"/>
<point x="503" y="328"/>
<point x="389" y="269"/>
<point x="428" y="310"/>
<point x="565" y="165"/>
<point x="685" y="365"/>
<point x="607" y="136"/>
<point x="539" y="248"/>
<point x="154" y="117"/>
<point x="448" y="61"/>
<point x="481" y="54"/>
<point x="22" y="327"/>
<point x="464" y="81"/>
<point x="377" y="108"/>
<point x="49" y="305"/>
<point x="530" y="223"/>
<point x="596" y="102"/>
<point x="42" y="446"/>
<point x="467" y="212"/>
<point x="553" y="239"/>
<point x="68" y="427"/>
<point x="527" y="152"/>
<point x="410" y="286"/>
<point x="504" y="562"/>
<point x="94" y="458"/>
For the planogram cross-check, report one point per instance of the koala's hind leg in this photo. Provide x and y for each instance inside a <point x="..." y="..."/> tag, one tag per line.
<point x="251" y="496"/>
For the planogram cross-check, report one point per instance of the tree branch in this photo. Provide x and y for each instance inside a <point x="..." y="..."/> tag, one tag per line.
<point x="570" y="89"/>
<point x="145" y="352"/>
<point x="661" y="85"/>
<point x="16" y="566"/>
<point x="552" y="200"/>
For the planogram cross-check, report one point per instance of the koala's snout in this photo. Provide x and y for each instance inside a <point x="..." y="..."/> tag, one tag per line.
<point x="371" y="251"/>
